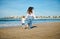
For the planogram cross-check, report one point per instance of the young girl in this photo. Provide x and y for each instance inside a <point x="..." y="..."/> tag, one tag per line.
<point x="30" y="16"/>
<point x="23" y="21"/>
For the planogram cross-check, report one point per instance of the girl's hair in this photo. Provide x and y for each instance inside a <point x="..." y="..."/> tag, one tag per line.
<point x="30" y="10"/>
<point x="23" y="16"/>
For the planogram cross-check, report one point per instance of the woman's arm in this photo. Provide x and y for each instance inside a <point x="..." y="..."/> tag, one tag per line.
<point x="34" y="16"/>
<point x="26" y="16"/>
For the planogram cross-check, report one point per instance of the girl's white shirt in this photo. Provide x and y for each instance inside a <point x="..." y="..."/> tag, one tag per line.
<point x="23" y="20"/>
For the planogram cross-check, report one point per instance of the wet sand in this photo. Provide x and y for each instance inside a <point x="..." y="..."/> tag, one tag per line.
<point x="39" y="31"/>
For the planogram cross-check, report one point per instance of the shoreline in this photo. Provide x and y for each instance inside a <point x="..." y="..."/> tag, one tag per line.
<point x="48" y="30"/>
<point x="8" y="26"/>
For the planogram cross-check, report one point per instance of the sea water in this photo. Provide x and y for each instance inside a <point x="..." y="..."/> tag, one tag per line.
<point x="18" y="22"/>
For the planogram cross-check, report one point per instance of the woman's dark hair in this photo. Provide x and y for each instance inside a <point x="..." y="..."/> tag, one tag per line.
<point x="30" y="10"/>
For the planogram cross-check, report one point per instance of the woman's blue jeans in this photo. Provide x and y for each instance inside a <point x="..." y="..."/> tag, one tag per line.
<point x="29" y="20"/>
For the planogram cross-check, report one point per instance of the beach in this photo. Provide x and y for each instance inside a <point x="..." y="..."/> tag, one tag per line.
<point x="47" y="30"/>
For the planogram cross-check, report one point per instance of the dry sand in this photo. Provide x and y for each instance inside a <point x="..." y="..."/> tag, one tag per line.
<point x="41" y="31"/>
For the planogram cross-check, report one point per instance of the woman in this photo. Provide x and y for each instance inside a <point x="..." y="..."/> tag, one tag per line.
<point x="30" y="16"/>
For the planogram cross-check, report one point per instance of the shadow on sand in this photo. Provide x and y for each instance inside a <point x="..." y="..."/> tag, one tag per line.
<point x="34" y="27"/>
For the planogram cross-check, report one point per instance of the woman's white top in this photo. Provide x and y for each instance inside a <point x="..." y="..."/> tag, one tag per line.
<point x="30" y="15"/>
